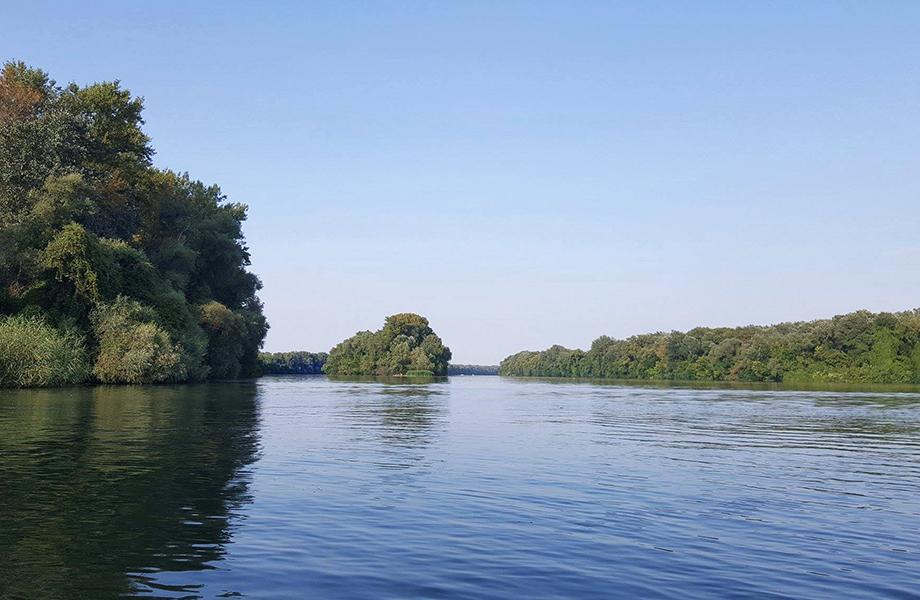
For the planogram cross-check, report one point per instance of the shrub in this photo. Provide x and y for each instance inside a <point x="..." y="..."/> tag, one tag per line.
<point x="34" y="354"/>
<point x="132" y="347"/>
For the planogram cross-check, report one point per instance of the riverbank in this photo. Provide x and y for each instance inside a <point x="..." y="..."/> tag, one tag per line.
<point x="858" y="347"/>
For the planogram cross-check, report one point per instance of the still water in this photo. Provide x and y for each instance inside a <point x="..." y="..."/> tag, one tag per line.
<point x="472" y="487"/>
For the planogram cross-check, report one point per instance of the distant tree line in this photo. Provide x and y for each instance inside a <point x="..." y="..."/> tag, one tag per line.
<point x="292" y="363"/>
<point x="859" y="347"/>
<point x="406" y="345"/>
<point x="112" y="270"/>
<point x="472" y="369"/>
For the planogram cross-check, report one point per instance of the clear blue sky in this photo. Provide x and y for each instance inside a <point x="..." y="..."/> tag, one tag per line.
<point x="529" y="173"/>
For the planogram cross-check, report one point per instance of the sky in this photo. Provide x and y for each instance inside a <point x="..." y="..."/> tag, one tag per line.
<point x="530" y="173"/>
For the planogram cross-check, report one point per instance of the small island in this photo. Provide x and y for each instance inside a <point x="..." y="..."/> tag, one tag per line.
<point x="406" y="346"/>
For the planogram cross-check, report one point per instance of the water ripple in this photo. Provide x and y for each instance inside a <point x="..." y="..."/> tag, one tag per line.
<point x="474" y="487"/>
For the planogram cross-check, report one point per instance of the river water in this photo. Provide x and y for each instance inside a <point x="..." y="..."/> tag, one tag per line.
<point x="468" y="487"/>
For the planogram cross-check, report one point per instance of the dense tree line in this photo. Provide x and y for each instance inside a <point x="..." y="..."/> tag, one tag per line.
<point x="472" y="369"/>
<point x="857" y="347"/>
<point x="292" y="363"/>
<point x="117" y="271"/>
<point x="406" y="345"/>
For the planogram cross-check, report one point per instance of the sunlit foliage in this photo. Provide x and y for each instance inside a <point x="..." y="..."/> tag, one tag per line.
<point x="405" y="344"/>
<point x="858" y="347"/>
<point x="33" y="354"/>
<point x="88" y="224"/>
<point x="132" y="347"/>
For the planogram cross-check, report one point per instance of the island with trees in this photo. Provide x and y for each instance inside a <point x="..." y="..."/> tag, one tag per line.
<point x="112" y="270"/>
<point x="859" y="347"/>
<point x="405" y="346"/>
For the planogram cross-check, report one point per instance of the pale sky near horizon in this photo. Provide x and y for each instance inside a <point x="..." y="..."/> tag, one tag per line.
<point x="531" y="173"/>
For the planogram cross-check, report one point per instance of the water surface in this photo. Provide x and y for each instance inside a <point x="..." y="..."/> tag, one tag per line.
<point x="472" y="487"/>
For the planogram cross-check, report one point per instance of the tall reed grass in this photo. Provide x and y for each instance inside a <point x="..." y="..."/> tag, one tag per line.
<point x="35" y="354"/>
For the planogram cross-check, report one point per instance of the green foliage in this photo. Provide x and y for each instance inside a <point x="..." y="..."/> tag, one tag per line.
<point x="292" y="363"/>
<point x="86" y="219"/>
<point x="859" y="347"/>
<point x="34" y="354"/>
<point x="132" y="347"/>
<point x="256" y="329"/>
<point x="230" y="335"/>
<point x="77" y="257"/>
<point x="419" y="373"/>
<point x="406" y="343"/>
<point x="453" y="369"/>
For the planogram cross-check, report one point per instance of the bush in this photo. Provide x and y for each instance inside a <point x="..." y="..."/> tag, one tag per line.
<point x="34" y="354"/>
<point x="132" y="347"/>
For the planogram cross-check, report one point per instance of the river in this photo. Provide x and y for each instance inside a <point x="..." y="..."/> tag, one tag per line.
<point x="468" y="487"/>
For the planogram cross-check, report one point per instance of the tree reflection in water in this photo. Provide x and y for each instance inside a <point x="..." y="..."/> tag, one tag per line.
<point x="100" y="486"/>
<point x="409" y="414"/>
<point x="405" y="416"/>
